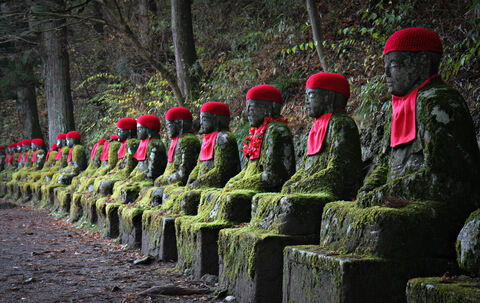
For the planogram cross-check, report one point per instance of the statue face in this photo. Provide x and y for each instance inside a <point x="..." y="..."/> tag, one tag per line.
<point x="207" y="122"/>
<point x="403" y="72"/>
<point x="174" y="128"/>
<point x="257" y="110"/>
<point x="70" y="142"/>
<point x="25" y="147"/>
<point x="19" y="148"/>
<point x="60" y="143"/>
<point x="123" y="134"/>
<point x="319" y="102"/>
<point x="142" y="132"/>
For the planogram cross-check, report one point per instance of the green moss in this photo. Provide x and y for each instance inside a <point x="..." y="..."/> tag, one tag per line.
<point x="464" y="290"/>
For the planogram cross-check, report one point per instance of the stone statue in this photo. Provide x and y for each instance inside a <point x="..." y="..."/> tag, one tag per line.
<point x="77" y="158"/>
<point x="2" y="158"/>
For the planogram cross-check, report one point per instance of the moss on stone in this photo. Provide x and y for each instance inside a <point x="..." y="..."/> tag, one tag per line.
<point x="432" y="289"/>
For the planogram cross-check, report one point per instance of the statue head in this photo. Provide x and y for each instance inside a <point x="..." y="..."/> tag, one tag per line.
<point x="73" y="138"/>
<point x="61" y="140"/>
<point x="2" y="150"/>
<point x="11" y="148"/>
<point x="326" y="93"/>
<point x="148" y="126"/>
<point x="37" y="144"/>
<point x="18" y="148"/>
<point x="178" y="121"/>
<point x="260" y="105"/>
<point x="214" y="116"/>
<point x="412" y="55"/>
<point x="126" y="129"/>
<point x="113" y="138"/>
<point x="26" y="144"/>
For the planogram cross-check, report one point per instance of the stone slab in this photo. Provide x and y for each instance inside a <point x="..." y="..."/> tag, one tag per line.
<point x="131" y="232"/>
<point x="159" y="241"/>
<point x="433" y="290"/>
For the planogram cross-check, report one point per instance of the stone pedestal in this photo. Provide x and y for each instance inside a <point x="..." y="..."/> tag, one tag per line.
<point x="158" y="238"/>
<point x="313" y="274"/>
<point x="130" y="227"/>
<point x="76" y="210"/>
<point x="433" y="290"/>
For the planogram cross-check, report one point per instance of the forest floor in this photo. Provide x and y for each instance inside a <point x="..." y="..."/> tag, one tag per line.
<point x="46" y="259"/>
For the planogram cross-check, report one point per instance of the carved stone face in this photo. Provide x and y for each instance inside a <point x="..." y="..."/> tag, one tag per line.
<point x="25" y="147"/>
<point x="174" y="128"/>
<point x="123" y="134"/>
<point x="321" y="101"/>
<point x="403" y="71"/>
<point x="19" y="148"/>
<point x="208" y="122"/>
<point x="142" y="132"/>
<point x="60" y="143"/>
<point x="257" y="110"/>
<point x="70" y="142"/>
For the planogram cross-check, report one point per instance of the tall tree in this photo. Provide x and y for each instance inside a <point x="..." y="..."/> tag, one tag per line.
<point x="188" y="68"/>
<point x="317" y="36"/>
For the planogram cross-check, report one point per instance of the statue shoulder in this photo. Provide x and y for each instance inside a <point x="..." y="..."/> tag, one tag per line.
<point x="132" y="144"/>
<point x="188" y="139"/>
<point x="278" y="128"/>
<point x="156" y="143"/>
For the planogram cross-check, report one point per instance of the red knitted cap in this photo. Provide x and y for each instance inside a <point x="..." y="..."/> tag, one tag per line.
<point x="150" y="121"/>
<point x="127" y="123"/>
<point x="102" y="141"/>
<point x="178" y="113"/>
<point x="330" y="81"/>
<point x="54" y="146"/>
<point x="265" y="92"/>
<point x="27" y="142"/>
<point x="38" y="142"/>
<point x="74" y="134"/>
<point x="413" y="39"/>
<point x="114" y="137"/>
<point x="19" y="143"/>
<point x="217" y="108"/>
<point x="13" y="145"/>
<point x="61" y="136"/>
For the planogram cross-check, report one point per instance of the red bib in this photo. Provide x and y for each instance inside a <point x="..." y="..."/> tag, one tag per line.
<point x="58" y="156"/>
<point x="20" y="157"/>
<point x="171" y="150"/>
<point x="208" y="146"/>
<point x="6" y="158"/>
<point x="104" y="155"/>
<point x="141" y="153"/>
<point x="9" y="158"/>
<point x="25" y="158"/>
<point x="253" y="147"/>
<point x="70" y="153"/>
<point x="403" y="128"/>
<point x="34" y="156"/>
<point x="94" y="151"/>
<point x="48" y="154"/>
<point x="121" y="150"/>
<point x="317" y="134"/>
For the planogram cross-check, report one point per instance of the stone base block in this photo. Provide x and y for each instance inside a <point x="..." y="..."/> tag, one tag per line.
<point x="76" y="210"/>
<point x="313" y="274"/>
<point x="112" y="220"/>
<point x="158" y="237"/>
<point x="433" y="290"/>
<point x="251" y="263"/>
<point x="130" y="226"/>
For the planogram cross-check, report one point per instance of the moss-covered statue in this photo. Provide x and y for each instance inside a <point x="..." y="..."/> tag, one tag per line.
<point x="11" y="165"/>
<point x="271" y="162"/>
<point x="218" y="162"/>
<point x="22" y="168"/>
<point x="182" y="156"/>
<point x="413" y="203"/>
<point x="152" y="159"/>
<point x="3" y="157"/>
<point x="252" y="256"/>
<point x="116" y="163"/>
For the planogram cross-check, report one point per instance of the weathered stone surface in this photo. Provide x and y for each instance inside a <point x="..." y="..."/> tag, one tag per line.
<point x="312" y="274"/>
<point x="468" y="245"/>
<point x="433" y="290"/>
<point x="158" y="238"/>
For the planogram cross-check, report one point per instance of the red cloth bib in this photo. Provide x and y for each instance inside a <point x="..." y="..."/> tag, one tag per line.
<point x="141" y="153"/>
<point x="25" y="158"/>
<point x="58" y="156"/>
<point x="70" y="153"/>
<point x="104" y="155"/>
<point x="94" y="151"/>
<point x="6" y="158"/>
<point x="34" y="156"/>
<point x="208" y="146"/>
<point x="121" y="150"/>
<point x="19" y="159"/>
<point x="317" y="134"/>
<point x="9" y="158"/>
<point x="171" y="150"/>
<point x="253" y="147"/>
<point x="403" y="128"/>
<point x="48" y="154"/>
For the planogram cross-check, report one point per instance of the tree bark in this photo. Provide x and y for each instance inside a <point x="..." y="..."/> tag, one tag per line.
<point x="315" y="21"/>
<point x="188" y="69"/>
<point x="56" y="72"/>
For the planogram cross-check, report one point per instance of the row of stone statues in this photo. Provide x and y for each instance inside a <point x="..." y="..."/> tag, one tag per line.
<point x="316" y="234"/>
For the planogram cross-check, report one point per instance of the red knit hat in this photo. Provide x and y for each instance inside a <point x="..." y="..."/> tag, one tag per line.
<point x="13" y="145"/>
<point x="150" y="121"/>
<point x="127" y="123"/>
<point x="114" y="137"/>
<point x="54" y="146"/>
<point x="217" y="108"/>
<point x="330" y="81"/>
<point x="265" y="92"/>
<point x="413" y="39"/>
<point x="74" y="134"/>
<point x="61" y="136"/>
<point x="27" y="142"/>
<point x="19" y="143"/>
<point x="38" y="142"/>
<point x="102" y="141"/>
<point x="178" y="113"/>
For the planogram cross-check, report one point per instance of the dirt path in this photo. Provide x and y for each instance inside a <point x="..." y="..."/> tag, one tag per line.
<point x="46" y="259"/>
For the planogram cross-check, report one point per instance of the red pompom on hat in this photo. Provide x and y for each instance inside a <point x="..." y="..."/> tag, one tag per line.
<point x="102" y="141"/>
<point x="178" y="113"/>
<point x="150" y="121"/>
<point x="413" y="39"/>
<point x="61" y="136"/>
<point x="114" y="137"/>
<point x="217" y="108"/>
<point x="74" y="134"/>
<point x="127" y="123"/>
<point x="27" y="142"/>
<point x="330" y="81"/>
<point x="265" y="92"/>
<point x="38" y="142"/>
<point x="54" y="146"/>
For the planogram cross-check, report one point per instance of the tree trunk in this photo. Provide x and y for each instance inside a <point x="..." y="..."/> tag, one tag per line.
<point x="56" y="72"/>
<point x="315" y="21"/>
<point x="188" y="69"/>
